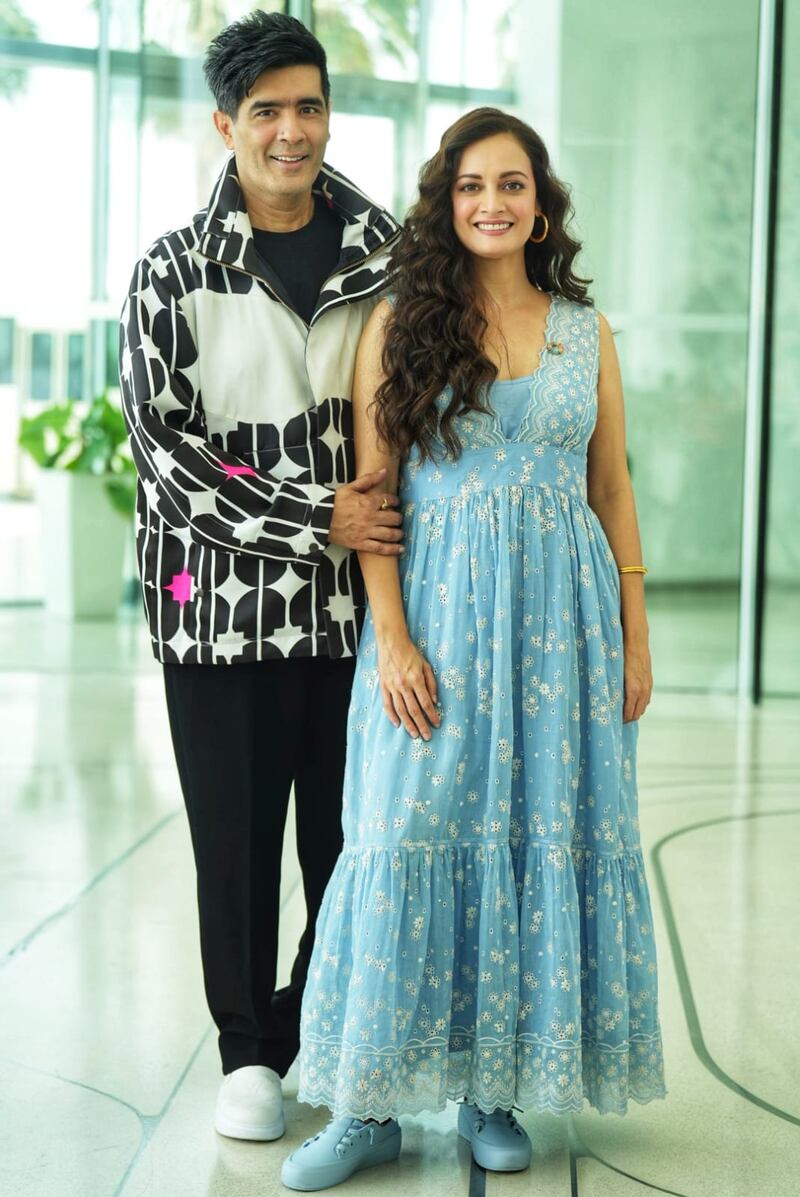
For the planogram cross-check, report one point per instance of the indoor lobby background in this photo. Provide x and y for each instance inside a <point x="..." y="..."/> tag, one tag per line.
<point x="677" y="126"/>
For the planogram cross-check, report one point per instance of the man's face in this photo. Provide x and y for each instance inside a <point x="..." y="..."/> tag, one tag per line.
<point x="280" y="132"/>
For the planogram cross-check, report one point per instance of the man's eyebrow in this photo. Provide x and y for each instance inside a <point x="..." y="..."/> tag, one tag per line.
<point x="301" y="103"/>
<point x="504" y="175"/>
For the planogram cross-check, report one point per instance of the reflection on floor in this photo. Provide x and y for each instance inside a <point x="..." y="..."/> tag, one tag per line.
<point x="107" y="1061"/>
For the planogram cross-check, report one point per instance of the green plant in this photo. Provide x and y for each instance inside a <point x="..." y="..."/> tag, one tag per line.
<point x="68" y="436"/>
<point x="14" y="24"/>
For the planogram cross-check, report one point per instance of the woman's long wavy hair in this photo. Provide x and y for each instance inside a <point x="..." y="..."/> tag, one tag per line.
<point x="435" y="333"/>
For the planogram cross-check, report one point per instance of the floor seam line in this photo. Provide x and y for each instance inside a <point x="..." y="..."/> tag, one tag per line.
<point x="682" y="973"/>
<point x="578" y="1150"/>
<point x="151" y="1124"/>
<point x="150" y="1127"/>
<point x="23" y="944"/>
<point x="477" y="1180"/>
<point x="68" y="1080"/>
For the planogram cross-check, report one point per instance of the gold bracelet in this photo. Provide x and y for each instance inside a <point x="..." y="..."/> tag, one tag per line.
<point x="632" y="569"/>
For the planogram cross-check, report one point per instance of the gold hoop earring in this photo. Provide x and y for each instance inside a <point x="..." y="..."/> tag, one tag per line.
<point x="539" y="240"/>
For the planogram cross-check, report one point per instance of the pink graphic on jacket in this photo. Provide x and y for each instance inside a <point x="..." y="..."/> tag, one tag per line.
<point x="233" y="471"/>
<point x="181" y="587"/>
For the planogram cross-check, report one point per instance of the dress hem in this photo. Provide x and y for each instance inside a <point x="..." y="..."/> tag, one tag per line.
<point x="525" y="1105"/>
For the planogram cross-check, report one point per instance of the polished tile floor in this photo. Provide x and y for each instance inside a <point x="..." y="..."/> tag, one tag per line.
<point x="108" y="1068"/>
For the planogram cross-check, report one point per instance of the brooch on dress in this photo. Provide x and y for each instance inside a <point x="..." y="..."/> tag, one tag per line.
<point x="556" y="347"/>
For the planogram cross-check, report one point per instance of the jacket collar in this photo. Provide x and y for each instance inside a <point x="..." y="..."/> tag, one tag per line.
<point x="226" y="234"/>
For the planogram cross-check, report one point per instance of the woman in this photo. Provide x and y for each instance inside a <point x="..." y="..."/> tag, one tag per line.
<point x="487" y="935"/>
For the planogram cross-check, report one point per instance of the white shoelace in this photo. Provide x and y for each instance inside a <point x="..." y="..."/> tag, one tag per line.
<point x="352" y="1133"/>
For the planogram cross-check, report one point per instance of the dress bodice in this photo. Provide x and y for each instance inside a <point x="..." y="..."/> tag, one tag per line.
<point x="509" y="397"/>
<point x="561" y="393"/>
<point x="548" y="427"/>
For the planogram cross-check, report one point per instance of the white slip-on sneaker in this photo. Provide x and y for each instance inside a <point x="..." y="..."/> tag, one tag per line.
<point x="250" y="1104"/>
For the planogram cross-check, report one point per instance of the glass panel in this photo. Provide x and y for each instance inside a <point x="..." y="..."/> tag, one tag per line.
<point x="661" y="167"/>
<point x="112" y="353"/>
<point x="124" y="24"/>
<point x="6" y="350"/>
<point x="781" y="640"/>
<point x="373" y="171"/>
<point x="187" y="26"/>
<point x="58" y="241"/>
<point x="438" y="117"/>
<point x="377" y="39"/>
<point x="45" y="283"/>
<point x="124" y="243"/>
<point x="472" y="44"/>
<point x="178" y="142"/>
<point x="68" y="22"/>
<point x="41" y="365"/>
<point x="76" y="365"/>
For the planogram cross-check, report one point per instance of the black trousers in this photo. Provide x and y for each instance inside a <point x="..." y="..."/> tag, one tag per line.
<point x="243" y="734"/>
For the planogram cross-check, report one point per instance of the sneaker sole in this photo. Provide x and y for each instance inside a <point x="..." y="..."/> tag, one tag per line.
<point x="255" y="1134"/>
<point x="386" y="1153"/>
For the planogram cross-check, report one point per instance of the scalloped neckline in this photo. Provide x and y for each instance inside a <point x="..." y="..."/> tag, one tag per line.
<point x="547" y="338"/>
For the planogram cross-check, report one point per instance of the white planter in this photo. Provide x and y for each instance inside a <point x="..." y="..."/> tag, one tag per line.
<point x="83" y="544"/>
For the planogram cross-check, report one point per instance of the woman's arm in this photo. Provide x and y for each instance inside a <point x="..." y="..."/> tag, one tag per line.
<point x="407" y="680"/>
<point x="610" y="495"/>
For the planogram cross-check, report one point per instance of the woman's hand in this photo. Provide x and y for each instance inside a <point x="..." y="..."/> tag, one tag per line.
<point x="408" y="685"/>
<point x="638" y="679"/>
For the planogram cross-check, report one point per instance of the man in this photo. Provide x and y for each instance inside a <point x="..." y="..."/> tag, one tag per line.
<point x="238" y="343"/>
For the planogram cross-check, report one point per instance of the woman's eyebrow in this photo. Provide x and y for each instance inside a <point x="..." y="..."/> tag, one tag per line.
<point x="504" y="175"/>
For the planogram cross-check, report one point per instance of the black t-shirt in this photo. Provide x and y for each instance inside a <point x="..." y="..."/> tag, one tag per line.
<point x="303" y="258"/>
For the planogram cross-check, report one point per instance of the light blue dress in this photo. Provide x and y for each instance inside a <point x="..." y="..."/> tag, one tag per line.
<point x="487" y="931"/>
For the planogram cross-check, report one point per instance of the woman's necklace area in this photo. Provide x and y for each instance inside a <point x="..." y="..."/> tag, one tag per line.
<point x="495" y="341"/>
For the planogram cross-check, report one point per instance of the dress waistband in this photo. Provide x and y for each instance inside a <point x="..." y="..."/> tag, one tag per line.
<point x="495" y="466"/>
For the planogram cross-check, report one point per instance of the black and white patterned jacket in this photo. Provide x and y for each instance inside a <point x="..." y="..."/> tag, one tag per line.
<point x="241" y="428"/>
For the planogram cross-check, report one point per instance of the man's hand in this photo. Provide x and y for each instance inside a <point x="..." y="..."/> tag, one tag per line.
<point x="366" y="521"/>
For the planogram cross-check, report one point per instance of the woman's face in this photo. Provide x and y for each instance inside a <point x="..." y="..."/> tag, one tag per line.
<point x="494" y="197"/>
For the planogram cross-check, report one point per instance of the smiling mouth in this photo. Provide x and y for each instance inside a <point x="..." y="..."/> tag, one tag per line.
<point x="289" y="159"/>
<point x="493" y="226"/>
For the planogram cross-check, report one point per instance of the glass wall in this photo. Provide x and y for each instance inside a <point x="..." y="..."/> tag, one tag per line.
<point x="657" y="138"/>
<point x="781" y="639"/>
<point x="649" y="115"/>
<point x="46" y="210"/>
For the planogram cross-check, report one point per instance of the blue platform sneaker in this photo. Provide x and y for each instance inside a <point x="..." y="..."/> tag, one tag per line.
<point x="345" y="1146"/>
<point x="498" y="1142"/>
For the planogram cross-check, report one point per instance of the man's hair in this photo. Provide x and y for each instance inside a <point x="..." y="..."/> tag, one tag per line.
<point x="262" y="41"/>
